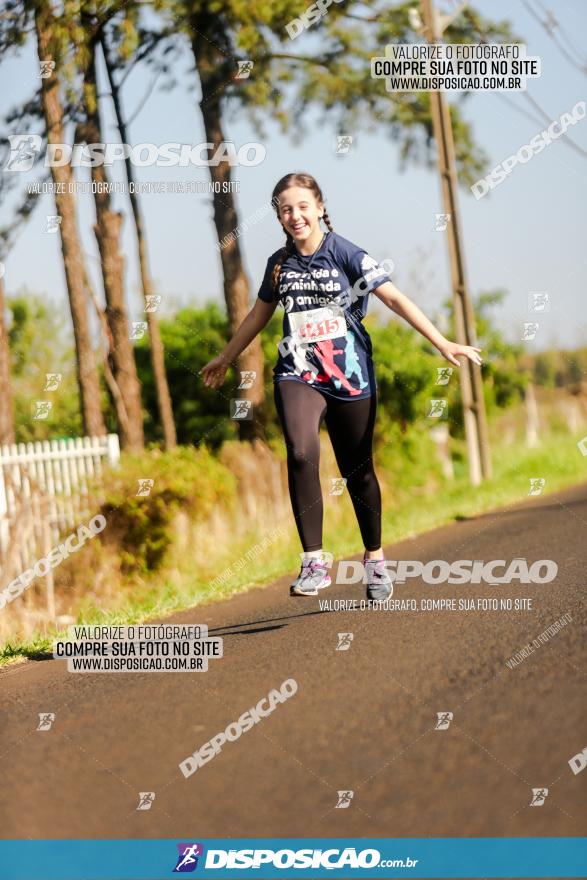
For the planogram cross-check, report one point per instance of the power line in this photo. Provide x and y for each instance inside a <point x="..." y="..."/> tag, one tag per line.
<point x="572" y="143"/>
<point x="535" y="104"/>
<point x="550" y="17"/>
<point x="550" y="24"/>
<point x="521" y="110"/>
<point x="577" y="52"/>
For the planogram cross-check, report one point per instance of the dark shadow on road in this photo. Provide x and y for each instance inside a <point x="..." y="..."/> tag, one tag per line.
<point x="259" y="629"/>
<point x="35" y="655"/>
<point x="230" y="629"/>
<point x="218" y="629"/>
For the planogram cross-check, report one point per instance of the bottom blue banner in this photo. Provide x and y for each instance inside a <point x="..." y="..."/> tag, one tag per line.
<point x="294" y="857"/>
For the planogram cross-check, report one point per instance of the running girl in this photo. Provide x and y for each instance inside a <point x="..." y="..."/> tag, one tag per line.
<point x="324" y="370"/>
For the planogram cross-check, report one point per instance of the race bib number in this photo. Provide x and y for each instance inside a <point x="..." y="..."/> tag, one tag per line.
<point x="318" y="324"/>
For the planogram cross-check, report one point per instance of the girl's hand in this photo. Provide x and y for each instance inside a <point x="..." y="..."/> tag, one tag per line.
<point x="452" y="350"/>
<point x="214" y="372"/>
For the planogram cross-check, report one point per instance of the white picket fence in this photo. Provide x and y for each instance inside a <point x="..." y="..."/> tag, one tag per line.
<point x="46" y="489"/>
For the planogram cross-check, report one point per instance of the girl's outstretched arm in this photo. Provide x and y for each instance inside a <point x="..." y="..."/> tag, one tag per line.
<point x="399" y="303"/>
<point x="214" y="372"/>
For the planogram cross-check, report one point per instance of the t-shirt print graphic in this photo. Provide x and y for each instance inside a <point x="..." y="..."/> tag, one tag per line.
<point x="325" y="352"/>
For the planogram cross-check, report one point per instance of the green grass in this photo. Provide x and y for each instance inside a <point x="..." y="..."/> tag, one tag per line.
<point x="412" y="512"/>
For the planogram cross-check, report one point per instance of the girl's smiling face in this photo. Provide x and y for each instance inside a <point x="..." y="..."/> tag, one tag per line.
<point x="299" y="212"/>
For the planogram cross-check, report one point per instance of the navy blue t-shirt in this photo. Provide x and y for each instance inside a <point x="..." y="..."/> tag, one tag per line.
<point x="325" y="297"/>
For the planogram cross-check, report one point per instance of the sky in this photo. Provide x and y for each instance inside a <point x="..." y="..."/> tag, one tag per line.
<point x="526" y="235"/>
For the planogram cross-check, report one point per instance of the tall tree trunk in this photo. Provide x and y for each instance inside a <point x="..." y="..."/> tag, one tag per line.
<point x="157" y="351"/>
<point x="107" y="230"/>
<point x="87" y="373"/>
<point x="6" y="410"/>
<point x="214" y="70"/>
<point x="117" y="398"/>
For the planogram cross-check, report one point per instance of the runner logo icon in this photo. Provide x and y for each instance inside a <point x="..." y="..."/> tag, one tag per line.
<point x="444" y="719"/>
<point x="188" y="857"/>
<point x="368" y="263"/>
<point x="539" y="795"/>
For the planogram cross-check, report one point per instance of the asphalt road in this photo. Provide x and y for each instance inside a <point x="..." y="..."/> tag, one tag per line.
<point x="362" y="719"/>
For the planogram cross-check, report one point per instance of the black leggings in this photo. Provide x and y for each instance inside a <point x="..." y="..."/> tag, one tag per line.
<point x="301" y="409"/>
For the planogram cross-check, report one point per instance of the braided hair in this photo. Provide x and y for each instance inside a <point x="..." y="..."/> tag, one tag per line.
<point x="307" y="182"/>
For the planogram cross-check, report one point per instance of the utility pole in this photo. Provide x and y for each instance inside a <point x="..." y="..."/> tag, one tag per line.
<point x="475" y="420"/>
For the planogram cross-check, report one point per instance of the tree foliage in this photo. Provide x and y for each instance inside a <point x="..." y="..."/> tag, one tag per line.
<point x="39" y="345"/>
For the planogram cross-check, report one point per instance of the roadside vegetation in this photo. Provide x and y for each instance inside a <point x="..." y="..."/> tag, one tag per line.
<point x="217" y="518"/>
